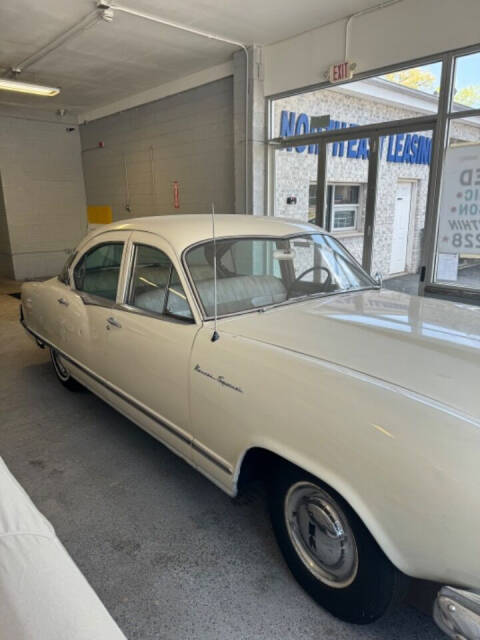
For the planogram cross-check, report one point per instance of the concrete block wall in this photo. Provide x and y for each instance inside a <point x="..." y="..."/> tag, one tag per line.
<point x="187" y="137"/>
<point x="44" y="213"/>
<point x="6" y="265"/>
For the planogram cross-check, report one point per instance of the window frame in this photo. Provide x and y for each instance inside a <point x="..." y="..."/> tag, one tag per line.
<point x="456" y="108"/>
<point x="344" y="207"/>
<point x="129" y="288"/>
<point x="92" y="298"/>
<point x="64" y="275"/>
<point x="332" y="208"/>
<point x="439" y="123"/>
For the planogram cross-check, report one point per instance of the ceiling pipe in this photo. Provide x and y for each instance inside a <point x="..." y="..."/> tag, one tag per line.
<point x="169" y="23"/>
<point x="382" y="5"/>
<point x="85" y="23"/>
<point x="112" y="7"/>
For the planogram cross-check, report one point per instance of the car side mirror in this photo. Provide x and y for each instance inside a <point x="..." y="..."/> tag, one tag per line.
<point x="379" y="278"/>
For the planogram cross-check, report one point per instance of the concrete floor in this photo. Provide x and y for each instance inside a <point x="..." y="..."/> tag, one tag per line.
<point x="169" y="554"/>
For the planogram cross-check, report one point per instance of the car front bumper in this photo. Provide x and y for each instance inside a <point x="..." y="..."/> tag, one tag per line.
<point x="457" y="613"/>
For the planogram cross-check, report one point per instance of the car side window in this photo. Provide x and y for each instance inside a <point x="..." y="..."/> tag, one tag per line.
<point x="98" y="271"/>
<point x="155" y="286"/>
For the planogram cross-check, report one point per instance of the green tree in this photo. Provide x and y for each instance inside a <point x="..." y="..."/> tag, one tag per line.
<point x="415" y="78"/>
<point x="468" y="96"/>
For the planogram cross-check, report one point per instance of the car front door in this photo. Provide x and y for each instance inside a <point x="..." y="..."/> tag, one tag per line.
<point x="149" y="342"/>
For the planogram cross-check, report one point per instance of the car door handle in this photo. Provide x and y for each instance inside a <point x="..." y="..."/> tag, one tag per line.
<point x="63" y="301"/>
<point x="113" y="322"/>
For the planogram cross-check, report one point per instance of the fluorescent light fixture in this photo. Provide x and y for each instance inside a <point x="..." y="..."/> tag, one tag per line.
<point x="26" y="87"/>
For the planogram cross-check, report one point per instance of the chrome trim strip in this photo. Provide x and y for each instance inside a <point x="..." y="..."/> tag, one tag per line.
<point x="95" y="301"/>
<point x="123" y="396"/>
<point x="136" y="405"/>
<point x="168" y="317"/>
<point x="212" y="457"/>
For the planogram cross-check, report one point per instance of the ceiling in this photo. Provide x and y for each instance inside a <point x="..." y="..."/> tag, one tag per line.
<point x="111" y="61"/>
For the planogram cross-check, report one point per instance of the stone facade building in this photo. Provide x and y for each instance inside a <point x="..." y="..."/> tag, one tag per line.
<point x="403" y="169"/>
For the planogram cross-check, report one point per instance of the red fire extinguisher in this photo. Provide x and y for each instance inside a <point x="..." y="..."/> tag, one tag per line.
<point x="176" y="195"/>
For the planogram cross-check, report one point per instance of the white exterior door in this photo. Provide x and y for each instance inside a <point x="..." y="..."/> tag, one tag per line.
<point x="403" y="200"/>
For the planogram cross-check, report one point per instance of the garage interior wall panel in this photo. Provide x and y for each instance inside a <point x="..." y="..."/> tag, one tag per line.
<point x="187" y="137"/>
<point x="6" y="266"/>
<point x="44" y="195"/>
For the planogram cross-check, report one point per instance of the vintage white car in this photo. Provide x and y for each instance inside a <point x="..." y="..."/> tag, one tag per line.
<point x="359" y="406"/>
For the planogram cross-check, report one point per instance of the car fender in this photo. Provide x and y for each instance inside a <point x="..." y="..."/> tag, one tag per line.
<point x="335" y="481"/>
<point x="405" y="463"/>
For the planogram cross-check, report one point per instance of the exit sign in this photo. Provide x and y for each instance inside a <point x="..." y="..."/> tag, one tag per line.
<point x="341" y="71"/>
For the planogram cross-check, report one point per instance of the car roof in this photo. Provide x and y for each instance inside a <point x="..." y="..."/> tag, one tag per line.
<point x="183" y="230"/>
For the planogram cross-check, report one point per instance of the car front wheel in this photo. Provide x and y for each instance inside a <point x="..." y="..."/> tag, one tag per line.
<point x="329" y="550"/>
<point x="62" y="372"/>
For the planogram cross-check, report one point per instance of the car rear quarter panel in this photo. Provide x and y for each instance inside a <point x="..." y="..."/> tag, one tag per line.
<point x="39" y="303"/>
<point x="406" y="464"/>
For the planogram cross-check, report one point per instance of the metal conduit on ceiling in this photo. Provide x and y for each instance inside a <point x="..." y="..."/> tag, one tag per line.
<point x="105" y="11"/>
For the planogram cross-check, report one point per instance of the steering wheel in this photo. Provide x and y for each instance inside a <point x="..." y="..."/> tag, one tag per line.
<point x="309" y="270"/>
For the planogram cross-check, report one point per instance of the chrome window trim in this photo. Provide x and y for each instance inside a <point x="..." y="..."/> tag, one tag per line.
<point x="168" y="317"/>
<point x="199" y="302"/>
<point x="91" y="298"/>
<point x="67" y="268"/>
<point x="126" y="305"/>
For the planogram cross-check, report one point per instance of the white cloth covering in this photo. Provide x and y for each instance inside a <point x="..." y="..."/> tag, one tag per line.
<point x="43" y="594"/>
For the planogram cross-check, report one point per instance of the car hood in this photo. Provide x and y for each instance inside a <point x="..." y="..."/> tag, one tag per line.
<point x="428" y="346"/>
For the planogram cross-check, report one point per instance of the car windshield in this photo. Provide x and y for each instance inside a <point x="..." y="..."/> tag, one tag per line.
<point x="255" y="273"/>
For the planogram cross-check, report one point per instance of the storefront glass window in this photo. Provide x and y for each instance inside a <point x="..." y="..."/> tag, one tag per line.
<point x="394" y="96"/>
<point x="400" y="208"/>
<point x="392" y="235"/>
<point x="458" y="241"/>
<point x="466" y="86"/>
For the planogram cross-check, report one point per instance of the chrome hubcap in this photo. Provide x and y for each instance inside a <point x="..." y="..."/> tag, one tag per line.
<point x="321" y="535"/>
<point x="60" y="368"/>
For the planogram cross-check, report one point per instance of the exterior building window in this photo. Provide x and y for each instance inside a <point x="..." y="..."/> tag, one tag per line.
<point x="343" y="205"/>
<point x="312" y="201"/>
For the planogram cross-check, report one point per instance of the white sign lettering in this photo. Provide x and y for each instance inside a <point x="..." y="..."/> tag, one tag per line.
<point x="459" y="229"/>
